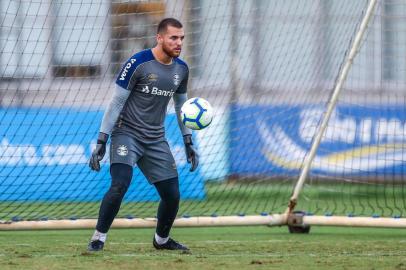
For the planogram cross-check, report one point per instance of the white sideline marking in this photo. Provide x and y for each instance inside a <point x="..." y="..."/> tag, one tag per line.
<point x="239" y="241"/>
<point x="150" y="243"/>
<point x="188" y="242"/>
<point x="258" y="255"/>
<point x="207" y="242"/>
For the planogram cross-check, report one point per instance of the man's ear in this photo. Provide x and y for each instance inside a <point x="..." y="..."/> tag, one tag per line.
<point x="159" y="39"/>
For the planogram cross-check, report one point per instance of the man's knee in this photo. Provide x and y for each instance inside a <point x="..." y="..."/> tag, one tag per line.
<point x="121" y="175"/>
<point x="169" y="190"/>
<point x="118" y="190"/>
<point x="171" y="198"/>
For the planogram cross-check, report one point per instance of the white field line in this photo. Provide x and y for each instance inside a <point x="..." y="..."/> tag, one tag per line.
<point x="150" y="243"/>
<point x="248" y="255"/>
<point x="188" y="242"/>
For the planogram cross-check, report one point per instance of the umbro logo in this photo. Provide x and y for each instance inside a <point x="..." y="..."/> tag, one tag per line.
<point x="152" y="77"/>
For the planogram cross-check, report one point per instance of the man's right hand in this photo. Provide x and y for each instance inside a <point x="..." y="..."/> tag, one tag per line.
<point x="99" y="152"/>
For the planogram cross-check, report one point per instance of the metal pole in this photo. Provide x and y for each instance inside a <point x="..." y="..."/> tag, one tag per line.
<point x="333" y="100"/>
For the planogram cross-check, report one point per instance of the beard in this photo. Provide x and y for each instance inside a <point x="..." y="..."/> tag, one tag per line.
<point x="169" y="52"/>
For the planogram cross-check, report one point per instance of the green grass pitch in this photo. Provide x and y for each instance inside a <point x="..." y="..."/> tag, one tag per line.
<point x="254" y="247"/>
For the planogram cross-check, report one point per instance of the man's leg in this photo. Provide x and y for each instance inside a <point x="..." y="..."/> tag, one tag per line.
<point x="168" y="208"/>
<point x="121" y="175"/>
<point x="159" y="167"/>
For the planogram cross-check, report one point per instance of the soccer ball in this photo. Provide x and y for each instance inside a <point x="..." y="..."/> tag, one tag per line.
<point x="196" y="113"/>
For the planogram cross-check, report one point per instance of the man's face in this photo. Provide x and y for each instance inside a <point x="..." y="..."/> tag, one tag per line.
<point x="172" y="41"/>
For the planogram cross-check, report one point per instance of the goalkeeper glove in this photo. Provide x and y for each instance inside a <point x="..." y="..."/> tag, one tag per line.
<point x="99" y="152"/>
<point x="191" y="154"/>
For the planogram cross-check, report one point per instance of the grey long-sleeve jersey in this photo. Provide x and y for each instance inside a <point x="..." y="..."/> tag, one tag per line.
<point x="139" y="103"/>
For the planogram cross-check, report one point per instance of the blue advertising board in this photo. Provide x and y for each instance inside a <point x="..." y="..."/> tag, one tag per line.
<point x="274" y="140"/>
<point x="44" y="156"/>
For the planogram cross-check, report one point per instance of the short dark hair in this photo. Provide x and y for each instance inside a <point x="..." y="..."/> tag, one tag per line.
<point x="163" y="25"/>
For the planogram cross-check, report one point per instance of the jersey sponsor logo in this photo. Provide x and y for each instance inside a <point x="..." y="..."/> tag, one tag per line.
<point x="145" y="89"/>
<point x="122" y="150"/>
<point x="176" y="79"/>
<point x="157" y="92"/>
<point x="126" y="68"/>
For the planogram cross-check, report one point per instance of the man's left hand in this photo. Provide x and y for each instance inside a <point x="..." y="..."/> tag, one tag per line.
<point x="191" y="154"/>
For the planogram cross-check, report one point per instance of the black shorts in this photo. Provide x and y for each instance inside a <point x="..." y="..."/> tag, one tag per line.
<point x="155" y="160"/>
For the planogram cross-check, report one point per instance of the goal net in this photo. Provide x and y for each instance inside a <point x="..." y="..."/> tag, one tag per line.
<point x="269" y="69"/>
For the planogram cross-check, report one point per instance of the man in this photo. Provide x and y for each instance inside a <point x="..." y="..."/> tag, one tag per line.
<point x="135" y="121"/>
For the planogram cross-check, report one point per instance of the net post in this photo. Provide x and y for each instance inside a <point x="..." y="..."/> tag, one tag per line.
<point x="331" y="104"/>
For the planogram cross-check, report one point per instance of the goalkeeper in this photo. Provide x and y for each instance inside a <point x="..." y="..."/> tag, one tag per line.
<point x="135" y="121"/>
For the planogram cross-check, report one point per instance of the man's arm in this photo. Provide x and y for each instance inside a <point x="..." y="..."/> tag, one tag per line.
<point x="191" y="154"/>
<point x="178" y="100"/>
<point x="114" y="109"/>
<point x="110" y="117"/>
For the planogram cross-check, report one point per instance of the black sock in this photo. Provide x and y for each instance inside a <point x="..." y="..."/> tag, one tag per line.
<point x="121" y="175"/>
<point x="168" y="207"/>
